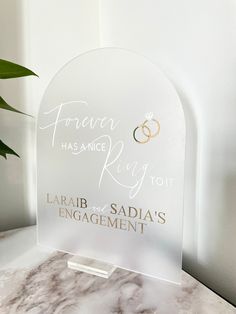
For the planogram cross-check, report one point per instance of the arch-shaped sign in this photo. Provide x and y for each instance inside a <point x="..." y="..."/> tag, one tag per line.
<point x="110" y="154"/>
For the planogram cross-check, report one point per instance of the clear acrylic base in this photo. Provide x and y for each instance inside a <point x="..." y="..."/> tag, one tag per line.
<point x="91" y="266"/>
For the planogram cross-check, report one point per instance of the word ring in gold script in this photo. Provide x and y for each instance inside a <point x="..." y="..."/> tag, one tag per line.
<point x="146" y="131"/>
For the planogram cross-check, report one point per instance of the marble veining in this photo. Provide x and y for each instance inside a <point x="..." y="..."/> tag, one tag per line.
<point x="46" y="285"/>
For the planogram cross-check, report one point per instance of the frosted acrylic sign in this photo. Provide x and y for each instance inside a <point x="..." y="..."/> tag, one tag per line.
<point x="111" y="146"/>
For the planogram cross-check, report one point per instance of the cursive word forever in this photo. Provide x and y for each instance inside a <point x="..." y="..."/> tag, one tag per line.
<point x="86" y="122"/>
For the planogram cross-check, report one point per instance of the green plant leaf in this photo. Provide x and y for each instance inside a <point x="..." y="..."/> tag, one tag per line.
<point x="12" y="70"/>
<point x="4" y="150"/>
<point x="4" y="105"/>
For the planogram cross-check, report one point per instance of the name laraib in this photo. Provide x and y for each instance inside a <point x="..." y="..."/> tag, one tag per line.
<point x="69" y="201"/>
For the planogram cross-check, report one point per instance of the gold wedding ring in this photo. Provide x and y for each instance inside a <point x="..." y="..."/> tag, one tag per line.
<point x="146" y="131"/>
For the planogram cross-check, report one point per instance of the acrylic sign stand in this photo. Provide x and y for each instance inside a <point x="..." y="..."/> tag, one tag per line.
<point x="91" y="266"/>
<point x="111" y="148"/>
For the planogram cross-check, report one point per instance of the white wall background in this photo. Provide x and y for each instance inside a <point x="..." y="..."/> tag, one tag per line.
<point x="15" y="174"/>
<point x="194" y="42"/>
<point x="42" y="35"/>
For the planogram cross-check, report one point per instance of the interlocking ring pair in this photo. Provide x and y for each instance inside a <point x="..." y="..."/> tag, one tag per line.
<point x="146" y="131"/>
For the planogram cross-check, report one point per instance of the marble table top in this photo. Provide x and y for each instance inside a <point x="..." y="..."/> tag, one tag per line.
<point x="36" y="280"/>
